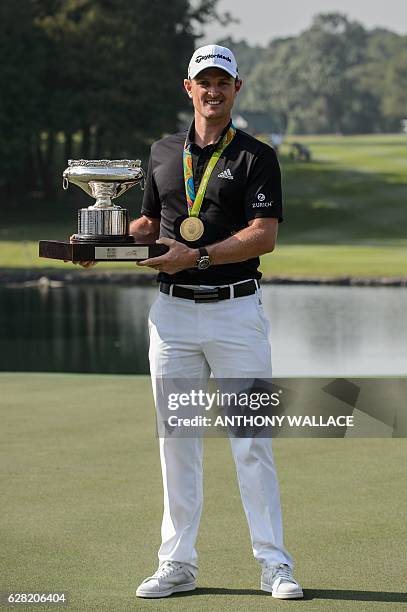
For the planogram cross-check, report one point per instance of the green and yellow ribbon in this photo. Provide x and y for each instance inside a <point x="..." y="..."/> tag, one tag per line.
<point x="194" y="202"/>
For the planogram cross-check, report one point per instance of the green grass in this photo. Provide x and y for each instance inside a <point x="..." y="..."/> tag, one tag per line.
<point x="345" y="213"/>
<point x="354" y="190"/>
<point x="81" y="506"/>
<point x="336" y="261"/>
<point x="287" y="260"/>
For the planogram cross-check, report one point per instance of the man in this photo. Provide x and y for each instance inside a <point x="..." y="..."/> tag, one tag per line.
<point x="213" y="196"/>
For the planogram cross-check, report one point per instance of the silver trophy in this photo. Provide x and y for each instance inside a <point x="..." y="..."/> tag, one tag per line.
<point x="104" y="180"/>
<point x="103" y="227"/>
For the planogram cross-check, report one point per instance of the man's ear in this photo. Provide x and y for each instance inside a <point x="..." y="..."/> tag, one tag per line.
<point x="238" y="85"/>
<point x="188" y="87"/>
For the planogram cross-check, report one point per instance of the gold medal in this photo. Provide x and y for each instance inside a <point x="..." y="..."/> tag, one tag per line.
<point x="191" y="229"/>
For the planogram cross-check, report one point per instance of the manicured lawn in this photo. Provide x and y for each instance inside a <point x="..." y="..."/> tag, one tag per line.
<point x="339" y="260"/>
<point x="81" y="506"/>
<point x="287" y="260"/>
<point x="354" y="190"/>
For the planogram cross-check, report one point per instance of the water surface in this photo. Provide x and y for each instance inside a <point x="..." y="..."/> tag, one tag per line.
<point x="315" y="330"/>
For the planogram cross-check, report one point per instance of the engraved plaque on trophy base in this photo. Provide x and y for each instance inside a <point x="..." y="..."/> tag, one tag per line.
<point x="100" y="251"/>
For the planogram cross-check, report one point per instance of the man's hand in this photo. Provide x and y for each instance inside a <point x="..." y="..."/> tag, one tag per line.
<point x="179" y="257"/>
<point x="145" y="229"/>
<point x="84" y="264"/>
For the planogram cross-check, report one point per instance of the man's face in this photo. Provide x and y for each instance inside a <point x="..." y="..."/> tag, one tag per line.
<point x="213" y="93"/>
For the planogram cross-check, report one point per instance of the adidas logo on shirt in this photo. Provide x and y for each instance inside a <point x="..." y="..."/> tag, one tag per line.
<point x="226" y="174"/>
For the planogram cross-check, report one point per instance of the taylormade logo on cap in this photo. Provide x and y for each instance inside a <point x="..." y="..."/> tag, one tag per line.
<point x="212" y="56"/>
<point x="199" y="58"/>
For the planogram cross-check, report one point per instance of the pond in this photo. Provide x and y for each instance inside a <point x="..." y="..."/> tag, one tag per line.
<point x="315" y="330"/>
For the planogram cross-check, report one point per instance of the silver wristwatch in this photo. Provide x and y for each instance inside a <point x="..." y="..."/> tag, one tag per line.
<point x="204" y="260"/>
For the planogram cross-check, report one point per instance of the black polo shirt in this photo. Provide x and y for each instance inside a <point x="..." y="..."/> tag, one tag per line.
<point x="244" y="185"/>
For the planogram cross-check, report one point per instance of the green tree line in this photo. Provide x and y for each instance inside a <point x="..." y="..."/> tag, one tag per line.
<point x="89" y="79"/>
<point x="103" y="78"/>
<point x="335" y="77"/>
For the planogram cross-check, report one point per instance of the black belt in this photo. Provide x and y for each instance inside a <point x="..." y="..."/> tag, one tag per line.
<point x="210" y="295"/>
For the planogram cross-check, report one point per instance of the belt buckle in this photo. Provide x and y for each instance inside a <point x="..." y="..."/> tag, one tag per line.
<point x="206" y="295"/>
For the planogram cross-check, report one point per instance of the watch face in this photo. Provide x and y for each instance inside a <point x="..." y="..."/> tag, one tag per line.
<point x="204" y="263"/>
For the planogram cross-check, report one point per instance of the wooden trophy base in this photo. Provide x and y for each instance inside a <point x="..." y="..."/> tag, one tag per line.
<point x="99" y="251"/>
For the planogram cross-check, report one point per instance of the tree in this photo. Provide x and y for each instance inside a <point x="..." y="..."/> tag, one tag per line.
<point x="21" y="72"/>
<point x="394" y="99"/>
<point x="105" y="78"/>
<point x="328" y="79"/>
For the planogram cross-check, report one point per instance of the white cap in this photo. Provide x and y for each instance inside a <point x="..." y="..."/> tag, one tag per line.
<point x="212" y="56"/>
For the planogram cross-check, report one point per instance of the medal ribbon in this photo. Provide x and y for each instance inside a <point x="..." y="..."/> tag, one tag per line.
<point x="195" y="201"/>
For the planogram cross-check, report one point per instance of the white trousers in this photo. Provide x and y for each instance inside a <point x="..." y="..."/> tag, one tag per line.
<point x="229" y="338"/>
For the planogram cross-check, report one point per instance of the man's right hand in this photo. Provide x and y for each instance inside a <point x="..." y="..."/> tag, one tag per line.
<point x="84" y="264"/>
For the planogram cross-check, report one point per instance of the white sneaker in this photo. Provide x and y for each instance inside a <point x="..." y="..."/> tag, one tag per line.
<point x="171" y="577"/>
<point x="278" y="580"/>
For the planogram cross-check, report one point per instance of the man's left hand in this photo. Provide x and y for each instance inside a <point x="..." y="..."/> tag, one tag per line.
<point x="179" y="257"/>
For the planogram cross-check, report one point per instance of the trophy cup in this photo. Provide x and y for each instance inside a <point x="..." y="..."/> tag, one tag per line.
<point x="103" y="228"/>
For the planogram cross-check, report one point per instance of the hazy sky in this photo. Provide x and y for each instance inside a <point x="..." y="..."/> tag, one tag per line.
<point x="261" y="20"/>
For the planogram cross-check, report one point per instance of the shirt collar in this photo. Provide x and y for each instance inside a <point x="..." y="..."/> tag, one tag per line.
<point x="191" y="134"/>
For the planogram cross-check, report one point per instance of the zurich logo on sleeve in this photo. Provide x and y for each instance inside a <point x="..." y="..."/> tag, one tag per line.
<point x="261" y="202"/>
